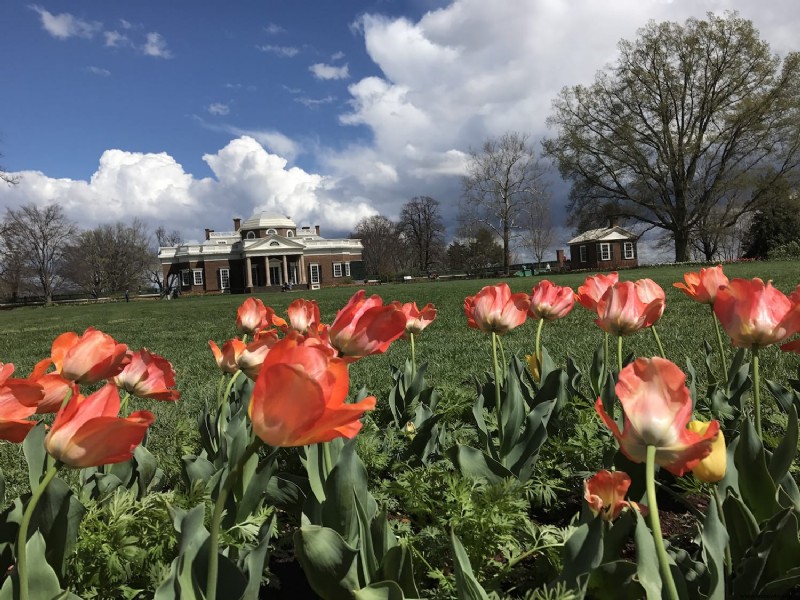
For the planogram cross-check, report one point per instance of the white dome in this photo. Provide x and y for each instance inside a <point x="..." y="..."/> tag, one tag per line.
<point x="266" y="220"/>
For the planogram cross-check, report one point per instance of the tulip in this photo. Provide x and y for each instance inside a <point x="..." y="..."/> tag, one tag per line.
<point x="90" y="358"/>
<point x="227" y="357"/>
<point x="651" y="294"/>
<point x="793" y="346"/>
<point x="593" y="288"/>
<point x="416" y="319"/>
<point x="621" y="310"/>
<point x="605" y="493"/>
<point x="702" y="287"/>
<point x="88" y="432"/>
<point x="252" y="356"/>
<point x="550" y="302"/>
<point x="496" y="310"/>
<point x="303" y="315"/>
<point x="712" y="468"/>
<point x="657" y="410"/>
<point x="299" y="396"/>
<point x="364" y="327"/>
<point x="252" y="316"/>
<point x="18" y="401"/>
<point x="148" y="375"/>
<point x="56" y="389"/>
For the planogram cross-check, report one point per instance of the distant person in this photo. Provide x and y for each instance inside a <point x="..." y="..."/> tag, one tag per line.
<point x="127" y="297"/>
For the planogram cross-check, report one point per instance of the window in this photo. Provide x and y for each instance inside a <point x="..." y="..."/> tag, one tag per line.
<point x="274" y="243"/>
<point x="337" y="269"/>
<point x="313" y="271"/>
<point x="582" y="252"/>
<point x="251" y="235"/>
<point x="186" y="279"/>
<point x="198" y="276"/>
<point x="628" y="250"/>
<point x="224" y="279"/>
<point x="289" y="233"/>
<point x="605" y="251"/>
<point x="272" y="231"/>
<point x="347" y="269"/>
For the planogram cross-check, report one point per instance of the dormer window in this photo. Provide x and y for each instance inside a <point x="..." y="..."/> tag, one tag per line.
<point x="251" y="235"/>
<point x="272" y="232"/>
<point x="289" y="233"/>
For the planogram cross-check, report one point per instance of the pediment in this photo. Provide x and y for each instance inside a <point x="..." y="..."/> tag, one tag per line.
<point x="272" y="243"/>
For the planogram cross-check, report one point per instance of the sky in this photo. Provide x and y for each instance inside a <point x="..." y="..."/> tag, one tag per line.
<point x="188" y="113"/>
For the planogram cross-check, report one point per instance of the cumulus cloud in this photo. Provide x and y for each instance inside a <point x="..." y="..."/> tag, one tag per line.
<point x="66" y="25"/>
<point x="218" y="108"/>
<point x="115" y="39"/>
<point x="282" y="51"/>
<point x="156" y="46"/>
<point x="324" y="71"/>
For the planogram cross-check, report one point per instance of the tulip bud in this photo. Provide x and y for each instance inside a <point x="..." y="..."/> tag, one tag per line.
<point x="712" y="468"/>
<point x="535" y="365"/>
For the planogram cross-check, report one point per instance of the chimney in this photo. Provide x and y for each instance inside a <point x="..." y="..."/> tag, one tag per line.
<point x="560" y="257"/>
<point x="208" y="233"/>
<point x="613" y="221"/>
<point x="316" y="229"/>
<point x="306" y="228"/>
<point x="237" y="223"/>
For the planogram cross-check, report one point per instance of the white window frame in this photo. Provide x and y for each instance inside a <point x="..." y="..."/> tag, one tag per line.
<point x="582" y="253"/>
<point x="224" y="279"/>
<point x="347" y="269"/>
<point x="186" y="279"/>
<point x="337" y="269"/>
<point x="605" y="251"/>
<point x="197" y="276"/>
<point x="289" y="233"/>
<point x="250" y="235"/>
<point x="313" y="273"/>
<point x="628" y="253"/>
<point x="272" y="231"/>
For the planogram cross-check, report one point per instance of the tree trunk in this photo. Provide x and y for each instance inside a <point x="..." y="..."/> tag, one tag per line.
<point x="506" y="249"/>
<point x="681" y="246"/>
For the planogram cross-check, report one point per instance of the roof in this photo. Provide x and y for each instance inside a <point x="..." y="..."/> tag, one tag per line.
<point x="264" y="220"/>
<point x="604" y="234"/>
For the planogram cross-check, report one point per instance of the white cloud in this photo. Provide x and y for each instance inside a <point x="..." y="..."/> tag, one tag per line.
<point x="271" y="139"/>
<point x="99" y="71"/>
<point x="315" y="102"/>
<point x="218" y="108"/>
<point x="282" y="51"/>
<point x="65" y="25"/>
<point x="337" y="56"/>
<point x="323" y="71"/>
<point x="115" y="39"/>
<point x="156" y="46"/>
<point x="274" y="29"/>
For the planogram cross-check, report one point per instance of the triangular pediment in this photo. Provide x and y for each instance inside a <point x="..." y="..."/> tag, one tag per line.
<point x="272" y="243"/>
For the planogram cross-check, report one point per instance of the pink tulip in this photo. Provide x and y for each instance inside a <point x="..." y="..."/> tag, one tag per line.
<point x="621" y="310"/>
<point x="550" y="302"/>
<point x="148" y="375"/>
<point x="227" y="357"/>
<point x="304" y="315"/>
<point x="364" y="327"/>
<point x="605" y="493"/>
<point x="88" y="358"/>
<point x="416" y="319"/>
<point x="703" y="286"/>
<point x="252" y="315"/>
<point x="593" y="288"/>
<point x="651" y="294"/>
<point x="496" y="310"/>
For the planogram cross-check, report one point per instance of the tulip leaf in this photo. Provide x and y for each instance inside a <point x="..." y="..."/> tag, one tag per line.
<point x="467" y="587"/>
<point x="782" y="458"/>
<point x="383" y="590"/>
<point x="583" y="552"/>
<point x="426" y="439"/>
<point x="366" y="552"/>
<point x="396" y="566"/>
<point x="286" y="493"/>
<point x="482" y="430"/>
<point x="691" y="381"/>
<point x="512" y="413"/>
<point x="618" y="535"/>
<point x="757" y="487"/>
<point x="256" y="560"/>
<point x="43" y="582"/>
<point x="35" y="454"/>
<point x="714" y="537"/>
<point x="598" y="370"/>
<point x="647" y="568"/>
<point x="476" y="464"/>
<point x="255" y="487"/>
<point x="315" y="467"/>
<point x="348" y="477"/>
<point x="523" y="457"/>
<point x="785" y="397"/>
<point x="615" y="580"/>
<point x="328" y="561"/>
<point x="197" y="468"/>
<point x="741" y="526"/>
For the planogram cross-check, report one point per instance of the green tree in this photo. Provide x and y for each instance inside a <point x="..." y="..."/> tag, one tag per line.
<point x="774" y="225"/>
<point x="693" y="120"/>
<point x="475" y="250"/>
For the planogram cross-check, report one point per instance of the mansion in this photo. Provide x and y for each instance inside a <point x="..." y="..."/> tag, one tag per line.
<point x="264" y="253"/>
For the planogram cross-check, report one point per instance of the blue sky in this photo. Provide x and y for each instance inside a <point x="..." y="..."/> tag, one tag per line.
<point x="188" y="112"/>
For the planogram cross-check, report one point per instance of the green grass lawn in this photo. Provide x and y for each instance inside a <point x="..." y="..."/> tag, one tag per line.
<point x="180" y="330"/>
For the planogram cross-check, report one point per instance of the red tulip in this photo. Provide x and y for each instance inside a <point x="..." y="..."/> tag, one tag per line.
<point x="793" y="346"/>
<point x="550" y="302"/>
<point x="651" y="294"/>
<point x="90" y="358"/>
<point x="703" y="286"/>
<point x="364" y="326"/>
<point x="88" y="432"/>
<point x="54" y="386"/>
<point x="304" y="315"/>
<point x="593" y="288"/>
<point x="227" y="357"/>
<point x="252" y="356"/>
<point x="622" y="312"/>
<point x="496" y="310"/>
<point x="18" y="401"/>
<point x="148" y="375"/>
<point x="416" y="319"/>
<point x="755" y="314"/>
<point x="658" y="409"/>
<point x="252" y="316"/>
<point x="299" y="396"/>
<point x="605" y="493"/>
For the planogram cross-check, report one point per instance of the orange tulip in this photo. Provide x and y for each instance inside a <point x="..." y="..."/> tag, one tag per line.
<point x="90" y="358"/>
<point x="605" y="492"/>
<point x="252" y="356"/>
<point x="88" y="432"/>
<point x="54" y="386"/>
<point x="364" y="326"/>
<point x="227" y="357"/>
<point x="658" y="409"/>
<point x="755" y="314"/>
<point x="148" y="375"/>
<point x="252" y="316"/>
<point x="299" y="396"/>
<point x="18" y="401"/>
<point x="593" y="288"/>
<point x="793" y="346"/>
<point x="550" y="302"/>
<point x="703" y="286"/>
<point x="621" y="310"/>
<point x="496" y="310"/>
<point x="416" y="319"/>
<point x="304" y="315"/>
<point x="651" y="294"/>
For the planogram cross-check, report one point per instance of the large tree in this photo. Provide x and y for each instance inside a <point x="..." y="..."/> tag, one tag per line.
<point x="423" y="230"/>
<point x="502" y="180"/>
<point x="155" y="271"/>
<point x="776" y="224"/>
<point x="41" y="236"/>
<point x="693" y="121"/>
<point x="475" y="249"/>
<point x="538" y="228"/>
<point x="384" y="252"/>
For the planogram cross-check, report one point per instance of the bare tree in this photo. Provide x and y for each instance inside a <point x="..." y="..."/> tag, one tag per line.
<point x="8" y="178"/>
<point x="502" y="180"/>
<point x="12" y="265"/>
<point x="538" y="228"/>
<point x="422" y="226"/>
<point x="384" y="252"/>
<point x="41" y="236"/>
<point x="155" y="271"/>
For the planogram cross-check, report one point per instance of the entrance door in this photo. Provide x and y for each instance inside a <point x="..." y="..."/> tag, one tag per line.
<point x="254" y="272"/>
<point x="275" y="275"/>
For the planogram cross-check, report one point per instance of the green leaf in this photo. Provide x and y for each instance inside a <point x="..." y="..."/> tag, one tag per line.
<point x="197" y="468"/>
<point x="523" y="457"/>
<point x="181" y="581"/>
<point x="647" y="568"/>
<point x="714" y="537"/>
<point x="756" y="485"/>
<point x="467" y="587"/>
<point x="348" y="477"/>
<point x="35" y="454"/>
<point x="42" y="579"/>
<point x="396" y="565"/>
<point x="583" y="552"/>
<point x="328" y="561"/>
<point x="473" y="463"/>
<point x="512" y="413"/>
<point x="256" y="560"/>
<point x="781" y="460"/>
<point x="383" y="590"/>
<point x="741" y="526"/>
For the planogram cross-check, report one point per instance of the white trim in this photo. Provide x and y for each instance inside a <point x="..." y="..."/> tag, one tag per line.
<point x="250" y="235"/>
<point x="224" y="278"/>
<point x="582" y="253"/>
<point x="272" y="231"/>
<point x="313" y="273"/>
<point x="337" y="269"/>
<point x="197" y="276"/>
<point x="186" y="280"/>
<point x="289" y="233"/>
<point x="627" y="250"/>
<point x="605" y="252"/>
<point x="347" y="269"/>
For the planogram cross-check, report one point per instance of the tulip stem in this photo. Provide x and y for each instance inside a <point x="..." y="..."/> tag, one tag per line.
<point x="413" y="354"/>
<point x="722" y="358"/>
<point x="658" y="341"/>
<point x="326" y="454"/>
<point x="497" y="388"/>
<point x="22" y="535"/>
<point x="220" y="385"/>
<point x="123" y="406"/>
<point x="619" y="353"/>
<point x="655" y="523"/>
<point x="607" y="355"/>
<point x="757" y="393"/>
<point x="539" y="344"/>
<point x="216" y="519"/>
<point x="230" y="386"/>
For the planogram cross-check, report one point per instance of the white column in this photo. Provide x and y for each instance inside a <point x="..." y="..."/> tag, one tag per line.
<point x="248" y="273"/>
<point x="285" y="270"/>
<point x="266" y="265"/>
<point x="302" y="269"/>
